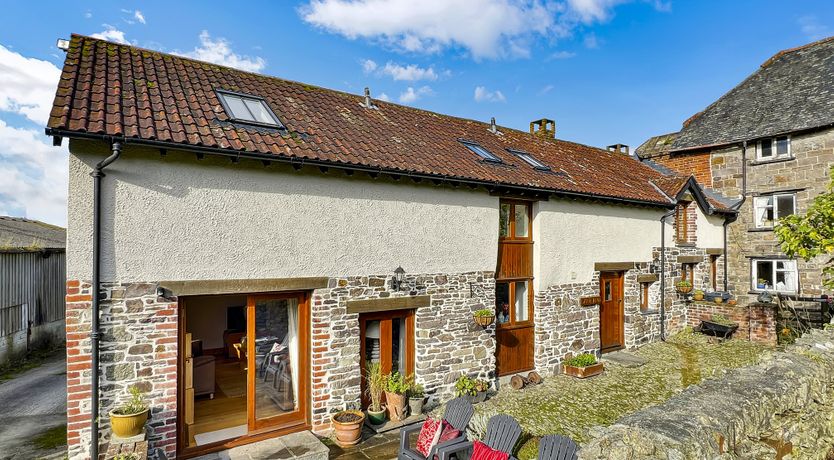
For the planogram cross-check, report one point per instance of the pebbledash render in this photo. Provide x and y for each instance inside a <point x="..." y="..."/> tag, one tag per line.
<point x="271" y="262"/>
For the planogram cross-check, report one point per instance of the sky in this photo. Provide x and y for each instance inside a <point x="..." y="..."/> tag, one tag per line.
<point x="607" y="71"/>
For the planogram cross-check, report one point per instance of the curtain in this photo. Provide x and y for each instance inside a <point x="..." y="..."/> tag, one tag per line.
<point x="292" y="344"/>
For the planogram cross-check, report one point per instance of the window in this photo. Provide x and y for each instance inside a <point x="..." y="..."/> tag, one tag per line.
<point x="682" y="223"/>
<point x="248" y="109"/>
<point x="530" y="159"/>
<point x="644" y="296"/>
<point x="774" y="275"/>
<point x="774" y="148"/>
<point x="688" y="273"/>
<point x="481" y="152"/>
<point x="512" y="302"/>
<point x="770" y="208"/>
<point x="713" y="272"/>
<point x="514" y="221"/>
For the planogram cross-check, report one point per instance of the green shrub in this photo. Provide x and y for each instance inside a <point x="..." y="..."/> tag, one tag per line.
<point x="583" y="360"/>
<point x="722" y="320"/>
<point x="483" y="313"/>
<point x="416" y="391"/>
<point x="396" y="383"/>
<point x="465" y="386"/>
<point x="135" y="405"/>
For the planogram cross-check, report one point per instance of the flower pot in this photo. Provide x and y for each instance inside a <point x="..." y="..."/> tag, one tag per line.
<point x="395" y="403"/>
<point x="348" y="427"/>
<point x="718" y="300"/>
<point x="415" y="405"/>
<point x="484" y="321"/>
<point x="761" y="286"/>
<point x="583" y="372"/>
<point x="480" y="397"/>
<point x="732" y="302"/>
<point x="376" y="418"/>
<point x="698" y="296"/>
<point x="127" y="426"/>
<point x="684" y="289"/>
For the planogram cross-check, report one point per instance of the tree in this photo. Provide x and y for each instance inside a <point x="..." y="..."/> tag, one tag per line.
<point x="812" y="235"/>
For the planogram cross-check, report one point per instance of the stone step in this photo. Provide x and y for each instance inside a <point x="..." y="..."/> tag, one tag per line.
<point x="303" y="445"/>
<point x="624" y="358"/>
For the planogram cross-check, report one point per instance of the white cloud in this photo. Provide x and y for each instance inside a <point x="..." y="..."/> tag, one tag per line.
<point x="411" y="72"/>
<point x="88" y="15"/>
<point x="383" y="97"/>
<point x="112" y="34"/>
<point x="412" y="95"/>
<point x="369" y="65"/>
<point x="139" y="16"/>
<point x="34" y="175"/>
<point x="484" y="95"/>
<point x="561" y="55"/>
<point x="546" y="89"/>
<point x="593" y="10"/>
<point x="219" y="51"/>
<point x="812" y="29"/>
<point x="28" y="86"/>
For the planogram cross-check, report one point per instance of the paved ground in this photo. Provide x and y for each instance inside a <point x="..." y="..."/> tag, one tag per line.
<point x="32" y="403"/>
<point x="373" y="446"/>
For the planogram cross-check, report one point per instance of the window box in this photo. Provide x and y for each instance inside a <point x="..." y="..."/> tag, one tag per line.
<point x="778" y="275"/>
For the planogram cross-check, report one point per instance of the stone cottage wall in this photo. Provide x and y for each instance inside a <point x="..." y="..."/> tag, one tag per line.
<point x="138" y="346"/>
<point x="447" y="343"/>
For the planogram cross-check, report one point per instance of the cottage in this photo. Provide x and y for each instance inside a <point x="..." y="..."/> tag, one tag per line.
<point x="256" y="241"/>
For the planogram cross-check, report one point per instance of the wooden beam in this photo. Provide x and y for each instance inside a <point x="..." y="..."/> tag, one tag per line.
<point x="246" y="286"/>
<point x="388" y="303"/>
<point x="614" y="266"/>
<point x="715" y="251"/>
<point x="690" y="259"/>
<point x="647" y="278"/>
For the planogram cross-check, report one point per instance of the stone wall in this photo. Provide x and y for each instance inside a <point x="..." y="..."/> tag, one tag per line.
<point x="447" y="342"/>
<point x="756" y="322"/>
<point x="785" y="404"/>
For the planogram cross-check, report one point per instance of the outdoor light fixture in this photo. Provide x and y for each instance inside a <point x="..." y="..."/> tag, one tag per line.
<point x="62" y="44"/>
<point x="397" y="280"/>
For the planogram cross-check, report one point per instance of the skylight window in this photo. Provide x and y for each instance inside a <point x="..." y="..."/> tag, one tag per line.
<point x="530" y="159"/>
<point x="248" y="109"/>
<point x="481" y="152"/>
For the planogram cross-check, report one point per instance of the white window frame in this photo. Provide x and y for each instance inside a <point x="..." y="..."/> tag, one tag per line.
<point x="481" y="151"/>
<point x="249" y="117"/>
<point x="530" y="159"/>
<point x="759" y="208"/>
<point x="773" y="155"/>
<point x="789" y="266"/>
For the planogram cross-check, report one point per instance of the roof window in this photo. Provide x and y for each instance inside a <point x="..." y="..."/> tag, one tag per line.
<point x="530" y="159"/>
<point x="481" y="152"/>
<point x="248" y="109"/>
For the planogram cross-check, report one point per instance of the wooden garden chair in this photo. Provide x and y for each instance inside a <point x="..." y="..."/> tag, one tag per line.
<point x="557" y="447"/>
<point x="458" y="413"/>
<point x="502" y="434"/>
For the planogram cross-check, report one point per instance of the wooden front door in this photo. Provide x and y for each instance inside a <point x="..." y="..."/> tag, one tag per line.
<point x="514" y="332"/>
<point x="386" y="338"/>
<point x="611" y="311"/>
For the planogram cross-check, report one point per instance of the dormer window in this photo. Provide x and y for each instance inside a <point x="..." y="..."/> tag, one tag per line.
<point x="530" y="159"/>
<point x="246" y="108"/>
<point x="485" y="154"/>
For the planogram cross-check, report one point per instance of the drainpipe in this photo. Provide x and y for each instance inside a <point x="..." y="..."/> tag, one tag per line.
<point x="663" y="274"/>
<point x="98" y="173"/>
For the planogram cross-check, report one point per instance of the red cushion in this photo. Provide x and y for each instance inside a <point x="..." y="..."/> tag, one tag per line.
<point x="426" y="438"/>
<point x="447" y="434"/>
<point x="482" y="451"/>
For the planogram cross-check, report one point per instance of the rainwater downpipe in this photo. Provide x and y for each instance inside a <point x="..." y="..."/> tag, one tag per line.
<point x="663" y="274"/>
<point x="98" y="174"/>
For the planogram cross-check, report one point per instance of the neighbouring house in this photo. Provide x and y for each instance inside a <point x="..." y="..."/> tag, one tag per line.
<point x="32" y="286"/>
<point x="769" y="143"/>
<point x="255" y="242"/>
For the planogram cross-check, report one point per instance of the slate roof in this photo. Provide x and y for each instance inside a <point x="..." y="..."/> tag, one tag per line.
<point x="657" y="145"/>
<point x="792" y="91"/>
<point x="17" y="233"/>
<point x="143" y="96"/>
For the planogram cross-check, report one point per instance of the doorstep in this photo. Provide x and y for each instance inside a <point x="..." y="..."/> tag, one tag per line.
<point x="302" y="445"/>
<point x="390" y="425"/>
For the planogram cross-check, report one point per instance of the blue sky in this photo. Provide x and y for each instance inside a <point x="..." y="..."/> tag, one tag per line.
<point x="607" y="71"/>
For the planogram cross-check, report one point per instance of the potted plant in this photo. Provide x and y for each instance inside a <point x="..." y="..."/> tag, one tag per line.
<point x="481" y="388"/>
<point x="583" y="366"/>
<point x="375" y="386"/>
<point x="698" y="295"/>
<point x="718" y="299"/>
<point x="761" y="283"/>
<point x="484" y="317"/>
<point x="348" y="426"/>
<point x="416" y="398"/>
<point x="683" y="286"/>
<point x="396" y="388"/>
<point x="465" y="386"/>
<point x="129" y="419"/>
<point x="719" y="326"/>
<point x="732" y="301"/>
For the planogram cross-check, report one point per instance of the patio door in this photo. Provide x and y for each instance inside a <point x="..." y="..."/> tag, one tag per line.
<point x="386" y="338"/>
<point x="611" y="315"/>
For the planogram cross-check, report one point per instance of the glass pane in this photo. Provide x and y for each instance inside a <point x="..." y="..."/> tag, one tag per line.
<point x="767" y="148"/>
<point x="398" y="345"/>
<point x="504" y="218"/>
<point x="276" y="357"/>
<point x="764" y="274"/>
<point x="521" y="308"/>
<point x="482" y="152"/>
<point x="608" y="290"/>
<point x="784" y="205"/>
<point x="521" y="220"/>
<point x="502" y="302"/>
<point x="372" y="344"/>
<point x="237" y="107"/>
<point x="259" y="111"/>
<point x="781" y="146"/>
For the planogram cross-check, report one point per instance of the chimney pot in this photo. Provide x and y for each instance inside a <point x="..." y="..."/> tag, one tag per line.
<point x="368" y="102"/>
<point x="618" y="148"/>
<point x="545" y="128"/>
<point x="492" y="127"/>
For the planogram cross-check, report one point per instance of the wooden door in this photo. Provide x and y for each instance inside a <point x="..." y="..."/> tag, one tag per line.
<point x="387" y="338"/>
<point x="611" y="311"/>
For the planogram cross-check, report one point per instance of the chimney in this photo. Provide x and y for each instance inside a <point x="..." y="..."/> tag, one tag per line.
<point x="369" y="103"/>
<point x="492" y="127"/>
<point x="618" y="148"/>
<point x="545" y="128"/>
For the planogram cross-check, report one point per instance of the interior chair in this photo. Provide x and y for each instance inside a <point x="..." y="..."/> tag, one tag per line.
<point x="203" y="376"/>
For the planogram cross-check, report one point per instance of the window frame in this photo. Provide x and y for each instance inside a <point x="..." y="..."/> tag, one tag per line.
<point x="474" y="147"/>
<point x="754" y="274"/>
<point x="775" y="201"/>
<point x="644" y="297"/>
<point x="682" y="223"/>
<point x="511" y="224"/>
<point x="688" y="272"/>
<point x="221" y="96"/>
<point x="528" y="158"/>
<point x="713" y="271"/>
<point x="774" y="155"/>
<point x="511" y="290"/>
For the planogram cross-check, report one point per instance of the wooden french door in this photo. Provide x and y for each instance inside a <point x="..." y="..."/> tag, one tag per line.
<point x="387" y="338"/>
<point x="611" y="314"/>
<point x="514" y="289"/>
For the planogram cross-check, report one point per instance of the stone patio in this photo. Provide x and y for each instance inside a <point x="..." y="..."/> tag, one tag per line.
<point x="376" y="446"/>
<point x="303" y="446"/>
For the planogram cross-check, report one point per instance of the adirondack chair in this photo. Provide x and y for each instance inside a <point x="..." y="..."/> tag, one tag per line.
<point x="458" y="413"/>
<point x="557" y="447"/>
<point x="502" y="433"/>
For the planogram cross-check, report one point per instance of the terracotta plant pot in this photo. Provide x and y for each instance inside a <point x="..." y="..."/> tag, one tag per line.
<point x="583" y="372"/>
<point x="732" y="302"/>
<point x="396" y="404"/>
<point x="127" y="426"/>
<point x="697" y="296"/>
<point x="484" y="321"/>
<point x="376" y="418"/>
<point x="348" y="427"/>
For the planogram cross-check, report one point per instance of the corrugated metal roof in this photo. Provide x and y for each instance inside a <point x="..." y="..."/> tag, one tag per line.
<point x="17" y="233"/>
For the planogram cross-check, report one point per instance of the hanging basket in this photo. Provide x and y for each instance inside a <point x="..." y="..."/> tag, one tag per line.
<point x="484" y="321"/>
<point x="683" y="288"/>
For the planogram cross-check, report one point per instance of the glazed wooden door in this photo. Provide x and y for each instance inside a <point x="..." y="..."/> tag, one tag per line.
<point x="388" y="339"/>
<point x="611" y="311"/>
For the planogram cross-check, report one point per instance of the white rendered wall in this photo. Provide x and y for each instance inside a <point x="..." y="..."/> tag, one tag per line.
<point x="177" y="218"/>
<point x="709" y="230"/>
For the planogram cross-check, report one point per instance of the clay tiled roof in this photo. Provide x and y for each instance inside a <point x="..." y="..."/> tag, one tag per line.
<point x="17" y="233"/>
<point x="154" y="98"/>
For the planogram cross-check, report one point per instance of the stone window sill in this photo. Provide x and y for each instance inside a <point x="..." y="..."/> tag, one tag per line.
<point x="651" y="312"/>
<point x="685" y="245"/>
<point x="759" y="229"/>
<point x="776" y="160"/>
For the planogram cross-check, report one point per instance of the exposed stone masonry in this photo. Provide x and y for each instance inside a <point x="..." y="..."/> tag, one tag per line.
<point x="564" y="327"/>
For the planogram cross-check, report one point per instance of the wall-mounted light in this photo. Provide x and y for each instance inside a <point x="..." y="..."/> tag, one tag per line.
<point x="398" y="279"/>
